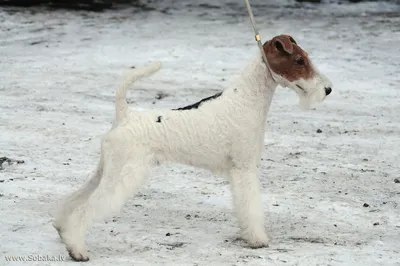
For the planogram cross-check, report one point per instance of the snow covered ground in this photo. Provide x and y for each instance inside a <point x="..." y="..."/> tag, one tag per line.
<point x="58" y="74"/>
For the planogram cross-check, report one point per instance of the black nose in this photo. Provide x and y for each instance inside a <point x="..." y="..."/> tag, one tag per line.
<point x="328" y="90"/>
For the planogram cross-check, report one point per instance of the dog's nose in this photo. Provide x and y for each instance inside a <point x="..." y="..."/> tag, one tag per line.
<point x="328" y="90"/>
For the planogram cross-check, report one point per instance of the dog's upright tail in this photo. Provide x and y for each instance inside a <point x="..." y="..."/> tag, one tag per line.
<point x="121" y="105"/>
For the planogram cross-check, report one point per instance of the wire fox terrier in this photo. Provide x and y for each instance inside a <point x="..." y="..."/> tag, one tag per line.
<point x="223" y="133"/>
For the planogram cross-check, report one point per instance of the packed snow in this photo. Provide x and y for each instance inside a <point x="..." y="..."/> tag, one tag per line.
<point x="328" y="175"/>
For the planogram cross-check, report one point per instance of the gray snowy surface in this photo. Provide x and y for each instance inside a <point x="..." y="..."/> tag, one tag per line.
<point x="59" y="71"/>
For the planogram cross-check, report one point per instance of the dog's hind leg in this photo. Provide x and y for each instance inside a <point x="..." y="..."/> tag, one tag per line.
<point x="78" y="197"/>
<point x="123" y="172"/>
<point x="247" y="201"/>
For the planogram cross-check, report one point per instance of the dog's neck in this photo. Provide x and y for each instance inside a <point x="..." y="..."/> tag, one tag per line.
<point x="257" y="84"/>
<point x="258" y="71"/>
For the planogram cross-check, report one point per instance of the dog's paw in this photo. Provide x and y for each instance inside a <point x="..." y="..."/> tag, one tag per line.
<point x="78" y="255"/>
<point x="75" y="245"/>
<point x="256" y="240"/>
<point x="258" y="243"/>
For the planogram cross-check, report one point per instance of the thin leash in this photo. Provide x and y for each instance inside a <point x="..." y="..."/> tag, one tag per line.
<point x="257" y="34"/>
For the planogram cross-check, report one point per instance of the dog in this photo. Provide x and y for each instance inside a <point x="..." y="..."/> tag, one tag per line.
<point x="223" y="133"/>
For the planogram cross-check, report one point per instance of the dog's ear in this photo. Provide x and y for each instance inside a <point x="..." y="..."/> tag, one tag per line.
<point x="284" y="43"/>
<point x="291" y="39"/>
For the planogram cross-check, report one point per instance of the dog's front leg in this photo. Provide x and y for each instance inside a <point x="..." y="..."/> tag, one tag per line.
<point x="247" y="200"/>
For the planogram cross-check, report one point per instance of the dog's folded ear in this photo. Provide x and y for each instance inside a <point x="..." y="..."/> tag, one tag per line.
<point x="284" y="43"/>
<point x="291" y="39"/>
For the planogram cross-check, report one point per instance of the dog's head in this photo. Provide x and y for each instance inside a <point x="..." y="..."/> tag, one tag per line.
<point x="291" y="67"/>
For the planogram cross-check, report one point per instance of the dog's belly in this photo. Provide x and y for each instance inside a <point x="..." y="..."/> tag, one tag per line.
<point x="215" y="163"/>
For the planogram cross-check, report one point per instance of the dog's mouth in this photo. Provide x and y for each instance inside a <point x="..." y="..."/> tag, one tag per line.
<point x="301" y="88"/>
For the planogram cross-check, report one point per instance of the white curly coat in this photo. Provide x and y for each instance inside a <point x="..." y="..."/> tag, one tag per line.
<point x="224" y="135"/>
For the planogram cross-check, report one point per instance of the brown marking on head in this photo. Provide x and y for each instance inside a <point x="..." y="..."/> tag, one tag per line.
<point x="287" y="59"/>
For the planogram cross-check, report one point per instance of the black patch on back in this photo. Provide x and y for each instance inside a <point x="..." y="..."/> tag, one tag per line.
<point x="159" y="119"/>
<point x="197" y="105"/>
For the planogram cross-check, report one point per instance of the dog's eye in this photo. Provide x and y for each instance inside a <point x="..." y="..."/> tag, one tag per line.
<point x="300" y="61"/>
